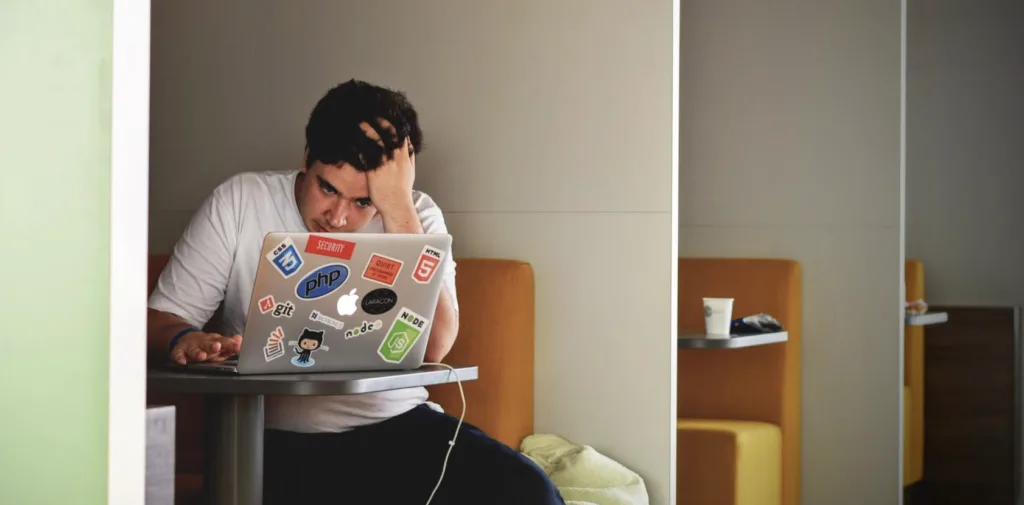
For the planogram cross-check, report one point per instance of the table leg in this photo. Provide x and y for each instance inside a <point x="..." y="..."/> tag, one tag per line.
<point x="234" y="450"/>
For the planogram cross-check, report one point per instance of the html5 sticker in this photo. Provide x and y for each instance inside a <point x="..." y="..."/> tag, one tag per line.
<point x="285" y="258"/>
<point x="341" y="249"/>
<point x="430" y="260"/>
<point x="382" y="269"/>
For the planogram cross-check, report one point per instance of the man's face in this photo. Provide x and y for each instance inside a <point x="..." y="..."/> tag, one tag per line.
<point x="334" y="199"/>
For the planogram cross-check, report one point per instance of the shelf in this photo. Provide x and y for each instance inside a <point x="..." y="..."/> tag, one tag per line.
<point x="927" y="319"/>
<point x="735" y="341"/>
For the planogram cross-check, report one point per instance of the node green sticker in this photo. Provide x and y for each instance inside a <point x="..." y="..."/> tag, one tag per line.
<point x="405" y="331"/>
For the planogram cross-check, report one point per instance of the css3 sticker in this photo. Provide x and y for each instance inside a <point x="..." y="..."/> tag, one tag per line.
<point x="429" y="260"/>
<point x="322" y="281"/>
<point x="404" y="332"/>
<point x="309" y="342"/>
<point x="285" y="258"/>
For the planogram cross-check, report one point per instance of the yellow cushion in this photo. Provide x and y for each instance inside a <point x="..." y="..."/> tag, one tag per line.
<point x="723" y="462"/>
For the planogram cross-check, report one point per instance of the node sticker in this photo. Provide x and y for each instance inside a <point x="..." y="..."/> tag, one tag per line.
<point x="405" y="331"/>
<point x="341" y="249"/>
<point x="364" y="328"/>
<point x="429" y="260"/>
<point x="309" y="342"/>
<point x="285" y="258"/>
<point x="382" y="269"/>
<point x="275" y="347"/>
<point x="319" y="317"/>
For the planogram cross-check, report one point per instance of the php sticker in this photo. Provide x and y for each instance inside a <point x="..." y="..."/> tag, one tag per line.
<point x="363" y="329"/>
<point x="322" y="281"/>
<point x="429" y="260"/>
<point x="405" y="331"/>
<point x="341" y="249"/>
<point x="309" y="342"/>
<point x="275" y="347"/>
<point x="285" y="258"/>
<point x="319" y="317"/>
<point x="382" y="269"/>
<point x="379" y="301"/>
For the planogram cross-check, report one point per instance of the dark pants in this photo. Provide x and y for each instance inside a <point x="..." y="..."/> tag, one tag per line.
<point x="398" y="462"/>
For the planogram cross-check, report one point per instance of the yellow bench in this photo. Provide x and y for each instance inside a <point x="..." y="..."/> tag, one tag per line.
<point x="739" y="409"/>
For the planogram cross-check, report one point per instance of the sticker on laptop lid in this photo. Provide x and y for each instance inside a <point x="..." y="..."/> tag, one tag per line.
<point x="427" y="265"/>
<point x="266" y="304"/>
<point x="322" y="281"/>
<point x="275" y="347"/>
<point x="319" y="317"/>
<point x="335" y="248"/>
<point x="347" y="303"/>
<point x="404" y="332"/>
<point x="382" y="269"/>
<point x="285" y="258"/>
<point x="363" y="329"/>
<point x="309" y="342"/>
<point x="379" y="301"/>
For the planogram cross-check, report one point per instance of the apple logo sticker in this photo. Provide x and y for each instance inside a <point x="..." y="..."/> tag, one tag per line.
<point x="347" y="303"/>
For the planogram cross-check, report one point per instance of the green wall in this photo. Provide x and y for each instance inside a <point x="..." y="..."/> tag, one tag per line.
<point x="55" y="96"/>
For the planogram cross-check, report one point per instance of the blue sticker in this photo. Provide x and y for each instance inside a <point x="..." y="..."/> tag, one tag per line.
<point x="322" y="281"/>
<point x="285" y="258"/>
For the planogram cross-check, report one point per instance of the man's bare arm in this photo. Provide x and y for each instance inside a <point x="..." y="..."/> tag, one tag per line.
<point x="161" y="327"/>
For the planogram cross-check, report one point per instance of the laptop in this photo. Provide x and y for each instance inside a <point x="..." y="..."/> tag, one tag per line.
<point x="340" y="302"/>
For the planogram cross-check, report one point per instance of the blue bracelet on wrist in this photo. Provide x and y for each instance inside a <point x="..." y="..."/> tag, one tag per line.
<point x="177" y="337"/>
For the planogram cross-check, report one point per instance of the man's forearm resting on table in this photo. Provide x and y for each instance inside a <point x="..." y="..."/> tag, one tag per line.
<point x="443" y="330"/>
<point x="161" y="327"/>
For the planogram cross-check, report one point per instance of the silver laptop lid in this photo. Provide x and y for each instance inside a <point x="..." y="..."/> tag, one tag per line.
<point x="329" y="302"/>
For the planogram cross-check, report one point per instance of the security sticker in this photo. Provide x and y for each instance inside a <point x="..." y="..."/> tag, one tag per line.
<point x="363" y="329"/>
<point x="309" y="342"/>
<point x="382" y="269"/>
<point x="429" y="260"/>
<point x="405" y="331"/>
<point x="285" y="258"/>
<point x="341" y="249"/>
<point x="319" y="317"/>
<point x="275" y="347"/>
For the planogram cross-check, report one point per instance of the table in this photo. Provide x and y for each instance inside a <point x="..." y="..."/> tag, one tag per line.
<point x="235" y="450"/>
<point x="734" y="341"/>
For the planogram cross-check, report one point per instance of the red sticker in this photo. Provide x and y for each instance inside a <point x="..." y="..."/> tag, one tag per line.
<point x="429" y="260"/>
<point x="334" y="248"/>
<point x="267" y="304"/>
<point x="382" y="269"/>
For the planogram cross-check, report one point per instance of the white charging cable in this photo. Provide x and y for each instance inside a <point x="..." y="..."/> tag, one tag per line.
<point x="451" y="443"/>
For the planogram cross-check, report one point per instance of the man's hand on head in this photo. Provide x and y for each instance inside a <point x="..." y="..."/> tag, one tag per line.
<point x="391" y="191"/>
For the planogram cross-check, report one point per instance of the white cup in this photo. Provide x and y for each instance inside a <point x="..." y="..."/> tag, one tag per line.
<point x="717" y="316"/>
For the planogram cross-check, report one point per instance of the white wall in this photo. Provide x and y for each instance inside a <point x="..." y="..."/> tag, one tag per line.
<point x="965" y="158"/>
<point x="549" y="139"/>
<point x="790" y="147"/>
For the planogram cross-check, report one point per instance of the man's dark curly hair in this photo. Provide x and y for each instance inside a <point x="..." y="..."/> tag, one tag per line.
<point x="334" y="135"/>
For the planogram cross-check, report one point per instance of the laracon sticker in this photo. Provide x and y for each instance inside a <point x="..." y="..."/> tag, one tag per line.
<point x="364" y="328"/>
<point x="309" y="342"/>
<point x="347" y="303"/>
<point x="429" y="260"/>
<point x="341" y="249"/>
<point x="322" y="281"/>
<point x="379" y="301"/>
<point x="405" y="331"/>
<point x="275" y="347"/>
<point x="266" y="304"/>
<point x="319" y="317"/>
<point x="382" y="269"/>
<point x="285" y="258"/>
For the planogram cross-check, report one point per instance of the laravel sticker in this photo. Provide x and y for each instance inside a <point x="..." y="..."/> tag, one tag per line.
<point x="341" y="249"/>
<point x="429" y="260"/>
<point x="382" y="269"/>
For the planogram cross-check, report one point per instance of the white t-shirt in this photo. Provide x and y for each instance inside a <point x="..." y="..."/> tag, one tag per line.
<point x="215" y="261"/>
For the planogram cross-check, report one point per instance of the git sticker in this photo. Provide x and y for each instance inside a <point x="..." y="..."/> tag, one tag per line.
<point x="275" y="347"/>
<point x="285" y="258"/>
<point x="405" y="331"/>
<point x="429" y="260"/>
<point x="267" y="304"/>
<point x="382" y="269"/>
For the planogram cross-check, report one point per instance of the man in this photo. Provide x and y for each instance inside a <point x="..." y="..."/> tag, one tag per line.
<point x="389" y="447"/>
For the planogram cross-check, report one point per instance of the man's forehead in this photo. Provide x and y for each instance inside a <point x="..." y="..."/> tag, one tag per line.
<point x="346" y="179"/>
